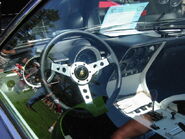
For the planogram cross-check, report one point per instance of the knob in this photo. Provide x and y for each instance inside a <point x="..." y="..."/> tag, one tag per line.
<point x="173" y="115"/>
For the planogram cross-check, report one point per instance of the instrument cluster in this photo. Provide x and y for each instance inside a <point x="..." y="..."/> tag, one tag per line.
<point x="88" y="55"/>
<point x="135" y="59"/>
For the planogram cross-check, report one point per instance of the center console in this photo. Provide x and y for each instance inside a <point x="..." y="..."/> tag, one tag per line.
<point x="163" y="120"/>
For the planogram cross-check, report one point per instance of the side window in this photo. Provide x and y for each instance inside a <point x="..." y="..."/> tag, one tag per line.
<point x="32" y="35"/>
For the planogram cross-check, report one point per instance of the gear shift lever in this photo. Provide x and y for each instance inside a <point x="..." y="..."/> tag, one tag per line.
<point x="155" y="116"/>
<point x="153" y="93"/>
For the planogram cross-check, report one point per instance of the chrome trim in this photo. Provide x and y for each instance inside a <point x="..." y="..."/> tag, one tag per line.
<point x="26" y="128"/>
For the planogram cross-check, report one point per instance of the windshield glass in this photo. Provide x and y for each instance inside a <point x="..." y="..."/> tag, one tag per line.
<point x="111" y="17"/>
<point x="123" y="17"/>
<point x="21" y="51"/>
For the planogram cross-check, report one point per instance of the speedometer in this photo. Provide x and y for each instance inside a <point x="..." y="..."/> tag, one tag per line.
<point x="88" y="55"/>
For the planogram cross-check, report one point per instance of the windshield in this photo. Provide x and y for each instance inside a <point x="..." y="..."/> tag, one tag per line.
<point x="124" y="17"/>
<point x="52" y="17"/>
<point x="111" y="17"/>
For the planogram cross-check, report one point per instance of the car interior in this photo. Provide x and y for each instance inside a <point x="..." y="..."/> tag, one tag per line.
<point x="100" y="81"/>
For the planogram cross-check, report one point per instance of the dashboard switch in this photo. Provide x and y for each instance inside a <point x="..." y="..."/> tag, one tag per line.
<point x="143" y="108"/>
<point x="182" y="126"/>
<point x="137" y="111"/>
<point x="155" y="127"/>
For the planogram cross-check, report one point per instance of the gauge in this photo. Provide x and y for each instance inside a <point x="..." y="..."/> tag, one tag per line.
<point x="131" y="65"/>
<point x="175" y="3"/>
<point x="88" y="55"/>
<point x="163" y="1"/>
<point x="130" y="54"/>
<point x="139" y="52"/>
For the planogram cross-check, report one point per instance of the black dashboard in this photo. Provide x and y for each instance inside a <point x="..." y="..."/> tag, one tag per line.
<point x="133" y="52"/>
<point x="136" y="58"/>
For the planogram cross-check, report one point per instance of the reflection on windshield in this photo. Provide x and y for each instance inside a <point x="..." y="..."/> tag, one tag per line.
<point x="27" y="42"/>
<point x="37" y="28"/>
<point x="133" y="15"/>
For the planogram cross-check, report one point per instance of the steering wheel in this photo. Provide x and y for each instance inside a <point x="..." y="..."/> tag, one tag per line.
<point x="31" y="72"/>
<point x="81" y="73"/>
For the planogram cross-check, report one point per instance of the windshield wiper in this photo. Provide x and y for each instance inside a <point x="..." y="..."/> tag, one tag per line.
<point x="161" y="16"/>
<point x="162" y="25"/>
<point x="165" y="29"/>
<point x="170" y="30"/>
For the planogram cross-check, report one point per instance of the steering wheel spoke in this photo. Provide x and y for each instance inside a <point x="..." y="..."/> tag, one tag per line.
<point x="63" y="69"/>
<point x="86" y="94"/>
<point x="98" y="65"/>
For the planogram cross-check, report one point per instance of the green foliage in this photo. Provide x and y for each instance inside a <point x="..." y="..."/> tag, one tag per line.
<point x="10" y="83"/>
<point x="39" y="121"/>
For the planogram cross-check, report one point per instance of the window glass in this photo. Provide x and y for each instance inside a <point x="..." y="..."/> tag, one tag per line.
<point x="20" y="73"/>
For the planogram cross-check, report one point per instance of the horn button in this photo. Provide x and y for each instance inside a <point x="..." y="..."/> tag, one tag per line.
<point x="81" y="72"/>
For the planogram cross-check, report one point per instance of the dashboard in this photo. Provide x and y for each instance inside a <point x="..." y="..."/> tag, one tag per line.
<point x="135" y="59"/>
<point x="154" y="66"/>
<point x="136" y="55"/>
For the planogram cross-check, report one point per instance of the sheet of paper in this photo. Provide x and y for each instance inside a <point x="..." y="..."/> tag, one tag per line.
<point x="122" y="17"/>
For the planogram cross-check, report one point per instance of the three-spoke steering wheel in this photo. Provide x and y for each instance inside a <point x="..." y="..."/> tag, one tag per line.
<point x="81" y="73"/>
